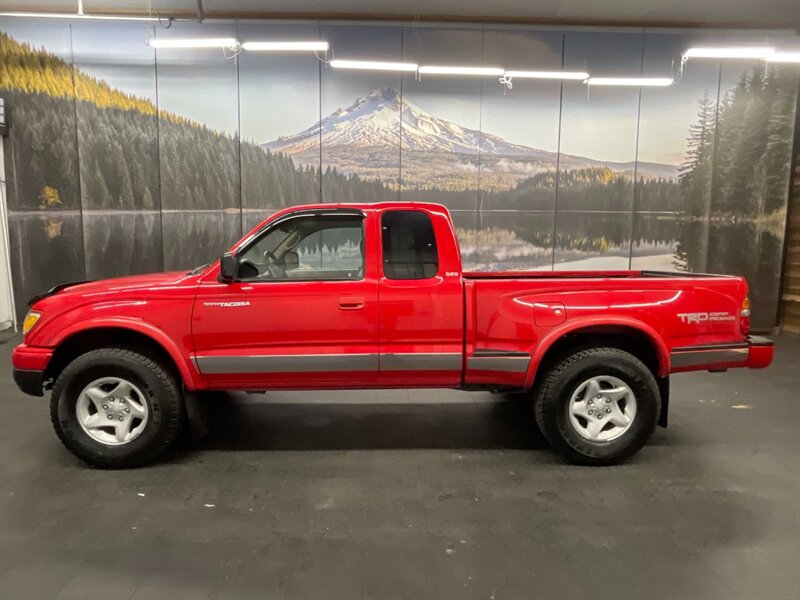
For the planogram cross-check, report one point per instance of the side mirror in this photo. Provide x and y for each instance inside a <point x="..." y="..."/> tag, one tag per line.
<point x="227" y="267"/>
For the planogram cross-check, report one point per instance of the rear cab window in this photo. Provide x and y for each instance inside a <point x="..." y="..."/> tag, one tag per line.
<point x="409" y="245"/>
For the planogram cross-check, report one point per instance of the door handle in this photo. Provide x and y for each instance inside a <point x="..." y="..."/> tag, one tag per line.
<point x="355" y="303"/>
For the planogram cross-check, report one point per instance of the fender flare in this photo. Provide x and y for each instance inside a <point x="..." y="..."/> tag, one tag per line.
<point x="575" y="325"/>
<point x="185" y="369"/>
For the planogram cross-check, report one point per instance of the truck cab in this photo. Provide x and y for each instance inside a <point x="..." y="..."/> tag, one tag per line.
<point x="326" y="296"/>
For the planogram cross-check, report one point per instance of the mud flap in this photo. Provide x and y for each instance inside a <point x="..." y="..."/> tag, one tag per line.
<point x="663" y="388"/>
<point x="196" y="415"/>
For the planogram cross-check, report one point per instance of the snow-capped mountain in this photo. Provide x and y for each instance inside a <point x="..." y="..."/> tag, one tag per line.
<point x="374" y="120"/>
<point x="365" y="138"/>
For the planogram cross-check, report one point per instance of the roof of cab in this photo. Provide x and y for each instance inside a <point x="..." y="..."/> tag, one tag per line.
<point x="365" y="206"/>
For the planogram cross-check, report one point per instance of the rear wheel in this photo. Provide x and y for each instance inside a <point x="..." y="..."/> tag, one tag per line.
<point x="598" y="406"/>
<point x="116" y="408"/>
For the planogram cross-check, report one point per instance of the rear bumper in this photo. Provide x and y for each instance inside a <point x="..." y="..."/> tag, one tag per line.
<point x="30" y="363"/>
<point x="755" y="353"/>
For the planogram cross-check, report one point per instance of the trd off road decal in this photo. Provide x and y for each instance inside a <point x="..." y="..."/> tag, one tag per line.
<point x="702" y="317"/>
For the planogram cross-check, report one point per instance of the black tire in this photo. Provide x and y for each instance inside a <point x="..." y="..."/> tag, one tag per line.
<point x="162" y="395"/>
<point x="562" y="380"/>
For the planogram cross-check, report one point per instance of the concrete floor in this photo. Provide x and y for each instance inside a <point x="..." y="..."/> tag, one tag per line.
<point x="425" y="494"/>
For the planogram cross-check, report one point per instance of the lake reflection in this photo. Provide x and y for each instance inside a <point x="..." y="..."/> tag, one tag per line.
<point x="122" y="243"/>
<point x="192" y="238"/>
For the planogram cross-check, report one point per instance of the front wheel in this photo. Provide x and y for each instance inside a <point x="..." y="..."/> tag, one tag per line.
<point x="598" y="406"/>
<point x="116" y="408"/>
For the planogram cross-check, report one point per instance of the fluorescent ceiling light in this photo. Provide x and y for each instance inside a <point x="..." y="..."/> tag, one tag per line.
<point x="373" y="65"/>
<point x="313" y="46"/>
<point x="50" y="15"/>
<point x="631" y="81"/>
<point x="193" y="43"/>
<point x="577" y="75"/>
<point x="439" y="70"/>
<point x="785" y="57"/>
<point x="730" y="52"/>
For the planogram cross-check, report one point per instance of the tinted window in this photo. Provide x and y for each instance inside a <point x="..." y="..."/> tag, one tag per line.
<point x="319" y="247"/>
<point x="409" y="245"/>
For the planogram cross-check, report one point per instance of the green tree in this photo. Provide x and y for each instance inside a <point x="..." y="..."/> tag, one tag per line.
<point x="695" y="172"/>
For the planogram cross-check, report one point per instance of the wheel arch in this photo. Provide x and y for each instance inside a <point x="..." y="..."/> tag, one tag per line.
<point x="630" y="335"/>
<point x="86" y="336"/>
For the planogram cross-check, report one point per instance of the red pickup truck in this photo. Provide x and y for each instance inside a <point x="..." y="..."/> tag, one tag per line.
<point x="374" y="296"/>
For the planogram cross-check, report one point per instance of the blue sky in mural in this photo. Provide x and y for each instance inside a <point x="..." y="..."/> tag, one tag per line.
<point x="660" y="139"/>
<point x="454" y="98"/>
<point x="528" y="114"/>
<point x="117" y="54"/>
<point x="279" y="93"/>
<point x="54" y="36"/>
<point x="378" y="42"/>
<point x="601" y="122"/>
<point x="199" y="83"/>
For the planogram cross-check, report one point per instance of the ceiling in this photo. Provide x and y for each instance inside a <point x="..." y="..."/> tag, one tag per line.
<point x="757" y="14"/>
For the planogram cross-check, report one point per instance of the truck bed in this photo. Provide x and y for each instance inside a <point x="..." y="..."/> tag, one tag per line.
<point x="581" y="274"/>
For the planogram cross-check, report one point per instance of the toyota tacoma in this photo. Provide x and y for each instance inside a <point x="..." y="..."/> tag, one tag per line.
<point x="356" y="296"/>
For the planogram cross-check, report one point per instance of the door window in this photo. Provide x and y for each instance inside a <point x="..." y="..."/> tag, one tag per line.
<point x="409" y="245"/>
<point x="312" y="248"/>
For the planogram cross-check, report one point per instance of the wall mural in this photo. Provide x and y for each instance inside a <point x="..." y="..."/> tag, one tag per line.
<point x="123" y="159"/>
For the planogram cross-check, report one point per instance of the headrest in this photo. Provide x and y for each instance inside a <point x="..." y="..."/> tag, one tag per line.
<point x="291" y="260"/>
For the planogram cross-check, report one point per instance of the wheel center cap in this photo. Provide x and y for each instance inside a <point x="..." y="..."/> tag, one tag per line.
<point x="598" y="406"/>
<point x="117" y="408"/>
<point x="601" y="408"/>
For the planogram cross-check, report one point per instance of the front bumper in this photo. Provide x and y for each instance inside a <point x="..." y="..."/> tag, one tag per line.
<point x="30" y="382"/>
<point x="30" y="363"/>
<point x="755" y="353"/>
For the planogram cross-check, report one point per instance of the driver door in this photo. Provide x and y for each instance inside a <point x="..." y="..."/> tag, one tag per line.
<point x="303" y="313"/>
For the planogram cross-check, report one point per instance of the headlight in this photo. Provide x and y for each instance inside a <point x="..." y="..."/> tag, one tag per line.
<point x="30" y="320"/>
